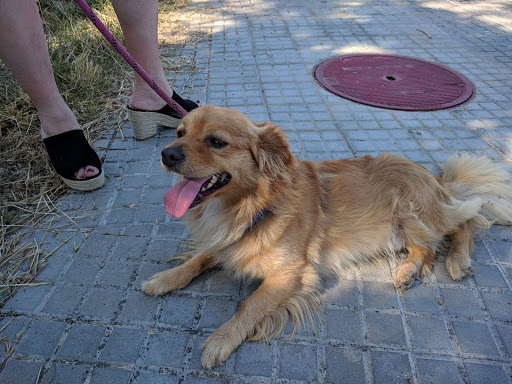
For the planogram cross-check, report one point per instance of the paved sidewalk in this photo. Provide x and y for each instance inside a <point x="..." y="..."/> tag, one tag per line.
<point x="93" y="324"/>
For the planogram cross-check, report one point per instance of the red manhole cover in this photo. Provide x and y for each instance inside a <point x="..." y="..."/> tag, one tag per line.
<point x="394" y="82"/>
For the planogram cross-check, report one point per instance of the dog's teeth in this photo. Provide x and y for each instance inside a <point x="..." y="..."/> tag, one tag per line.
<point x="203" y="189"/>
<point x="213" y="180"/>
<point x="210" y="184"/>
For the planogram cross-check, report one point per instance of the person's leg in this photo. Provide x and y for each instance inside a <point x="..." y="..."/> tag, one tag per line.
<point x="140" y="29"/>
<point x="24" y="51"/>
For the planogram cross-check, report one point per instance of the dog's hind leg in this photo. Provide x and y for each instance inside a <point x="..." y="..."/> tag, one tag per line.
<point x="458" y="262"/>
<point x="419" y="261"/>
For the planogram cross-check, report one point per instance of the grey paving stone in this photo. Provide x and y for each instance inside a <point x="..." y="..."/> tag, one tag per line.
<point x="385" y="329"/>
<point x="152" y="215"/>
<point x="379" y="295"/>
<point x="140" y="230"/>
<point x="499" y="305"/>
<point x="344" y="365"/>
<point x="12" y="330"/>
<point x="255" y="359"/>
<point x="130" y="249"/>
<point x="343" y="325"/>
<point x="461" y="302"/>
<point x="110" y="376"/>
<point x="341" y="292"/>
<point x="502" y="250"/>
<point x="480" y="252"/>
<point x="41" y="338"/>
<point x="298" y="362"/>
<point x="82" y="342"/>
<point x="217" y="311"/>
<point x="123" y="345"/>
<point x="126" y="198"/>
<point x="27" y="299"/>
<point x="172" y="230"/>
<point x="82" y="270"/>
<point x="65" y="373"/>
<point x="120" y="216"/>
<point x="97" y="245"/>
<point x="156" y="196"/>
<point x="390" y="367"/>
<point x="140" y="307"/>
<point x="53" y="268"/>
<point x="421" y="299"/>
<point x="475" y="338"/>
<point x="506" y="337"/>
<point x="133" y="181"/>
<point x="224" y="282"/>
<point x="137" y="167"/>
<point x="194" y="379"/>
<point x="101" y="303"/>
<point x="155" y="378"/>
<point x="430" y="334"/>
<point x="438" y="371"/>
<point x="20" y="372"/>
<point x="64" y="300"/>
<point x="167" y="349"/>
<point x="117" y="273"/>
<point x="480" y="373"/>
<point x="489" y="276"/>
<point x="179" y="310"/>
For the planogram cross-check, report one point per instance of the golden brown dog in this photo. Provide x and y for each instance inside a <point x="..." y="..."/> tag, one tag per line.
<point x="256" y="210"/>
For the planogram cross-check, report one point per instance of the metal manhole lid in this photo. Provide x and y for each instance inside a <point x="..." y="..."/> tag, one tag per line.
<point x="394" y="82"/>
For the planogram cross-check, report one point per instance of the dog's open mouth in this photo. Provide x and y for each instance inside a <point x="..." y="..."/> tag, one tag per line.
<point x="188" y="192"/>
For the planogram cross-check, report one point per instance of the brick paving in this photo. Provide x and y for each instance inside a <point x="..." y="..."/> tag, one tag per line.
<point x="93" y="324"/>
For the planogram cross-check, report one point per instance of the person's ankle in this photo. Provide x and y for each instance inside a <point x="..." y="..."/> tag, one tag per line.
<point x="52" y="127"/>
<point x="57" y="121"/>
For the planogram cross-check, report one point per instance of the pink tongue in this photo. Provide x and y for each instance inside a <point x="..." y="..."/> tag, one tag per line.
<point x="178" y="198"/>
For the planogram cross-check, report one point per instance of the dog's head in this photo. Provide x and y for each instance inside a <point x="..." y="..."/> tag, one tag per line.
<point x="221" y="153"/>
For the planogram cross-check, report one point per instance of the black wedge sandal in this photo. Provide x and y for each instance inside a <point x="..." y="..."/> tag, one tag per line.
<point x="70" y="151"/>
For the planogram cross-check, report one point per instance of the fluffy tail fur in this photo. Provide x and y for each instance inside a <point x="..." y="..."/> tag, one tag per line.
<point x="478" y="177"/>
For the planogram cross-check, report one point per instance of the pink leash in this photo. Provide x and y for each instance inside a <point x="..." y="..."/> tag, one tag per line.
<point x="128" y="58"/>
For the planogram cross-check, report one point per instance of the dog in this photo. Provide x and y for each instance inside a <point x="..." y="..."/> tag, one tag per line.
<point x="256" y="210"/>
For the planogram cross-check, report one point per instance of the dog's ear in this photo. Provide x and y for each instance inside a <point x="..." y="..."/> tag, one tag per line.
<point x="271" y="150"/>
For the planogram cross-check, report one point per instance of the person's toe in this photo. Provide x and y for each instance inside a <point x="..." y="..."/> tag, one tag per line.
<point x="85" y="172"/>
<point x="91" y="171"/>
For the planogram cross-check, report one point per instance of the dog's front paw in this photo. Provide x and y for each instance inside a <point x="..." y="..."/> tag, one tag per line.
<point x="217" y="348"/>
<point x="458" y="269"/>
<point x="405" y="275"/>
<point x="159" y="284"/>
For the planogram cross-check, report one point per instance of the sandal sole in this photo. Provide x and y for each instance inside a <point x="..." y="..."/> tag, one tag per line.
<point x="86" y="185"/>
<point x="144" y="123"/>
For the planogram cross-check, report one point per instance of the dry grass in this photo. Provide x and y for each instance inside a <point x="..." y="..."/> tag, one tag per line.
<point x="96" y="83"/>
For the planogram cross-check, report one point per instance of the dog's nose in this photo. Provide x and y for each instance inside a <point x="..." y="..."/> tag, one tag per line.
<point x="172" y="156"/>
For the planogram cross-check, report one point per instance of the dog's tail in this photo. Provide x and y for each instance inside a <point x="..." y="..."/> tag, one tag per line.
<point x="477" y="177"/>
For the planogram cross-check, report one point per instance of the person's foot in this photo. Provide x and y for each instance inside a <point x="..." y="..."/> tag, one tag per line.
<point x="147" y="101"/>
<point x="52" y="125"/>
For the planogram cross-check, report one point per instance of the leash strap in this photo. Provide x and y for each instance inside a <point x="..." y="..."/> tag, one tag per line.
<point x="128" y="58"/>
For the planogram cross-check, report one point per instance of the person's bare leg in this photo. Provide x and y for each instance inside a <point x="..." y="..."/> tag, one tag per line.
<point x="140" y="30"/>
<point x="24" y="51"/>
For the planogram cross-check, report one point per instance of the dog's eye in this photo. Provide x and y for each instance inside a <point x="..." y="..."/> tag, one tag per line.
<point x="216" y="142"/>
<point x="180" y="133"/>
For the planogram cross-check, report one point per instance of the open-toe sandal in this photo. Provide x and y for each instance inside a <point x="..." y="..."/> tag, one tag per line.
<point x="144" y="123"/>
<point x="70" y="151"/>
